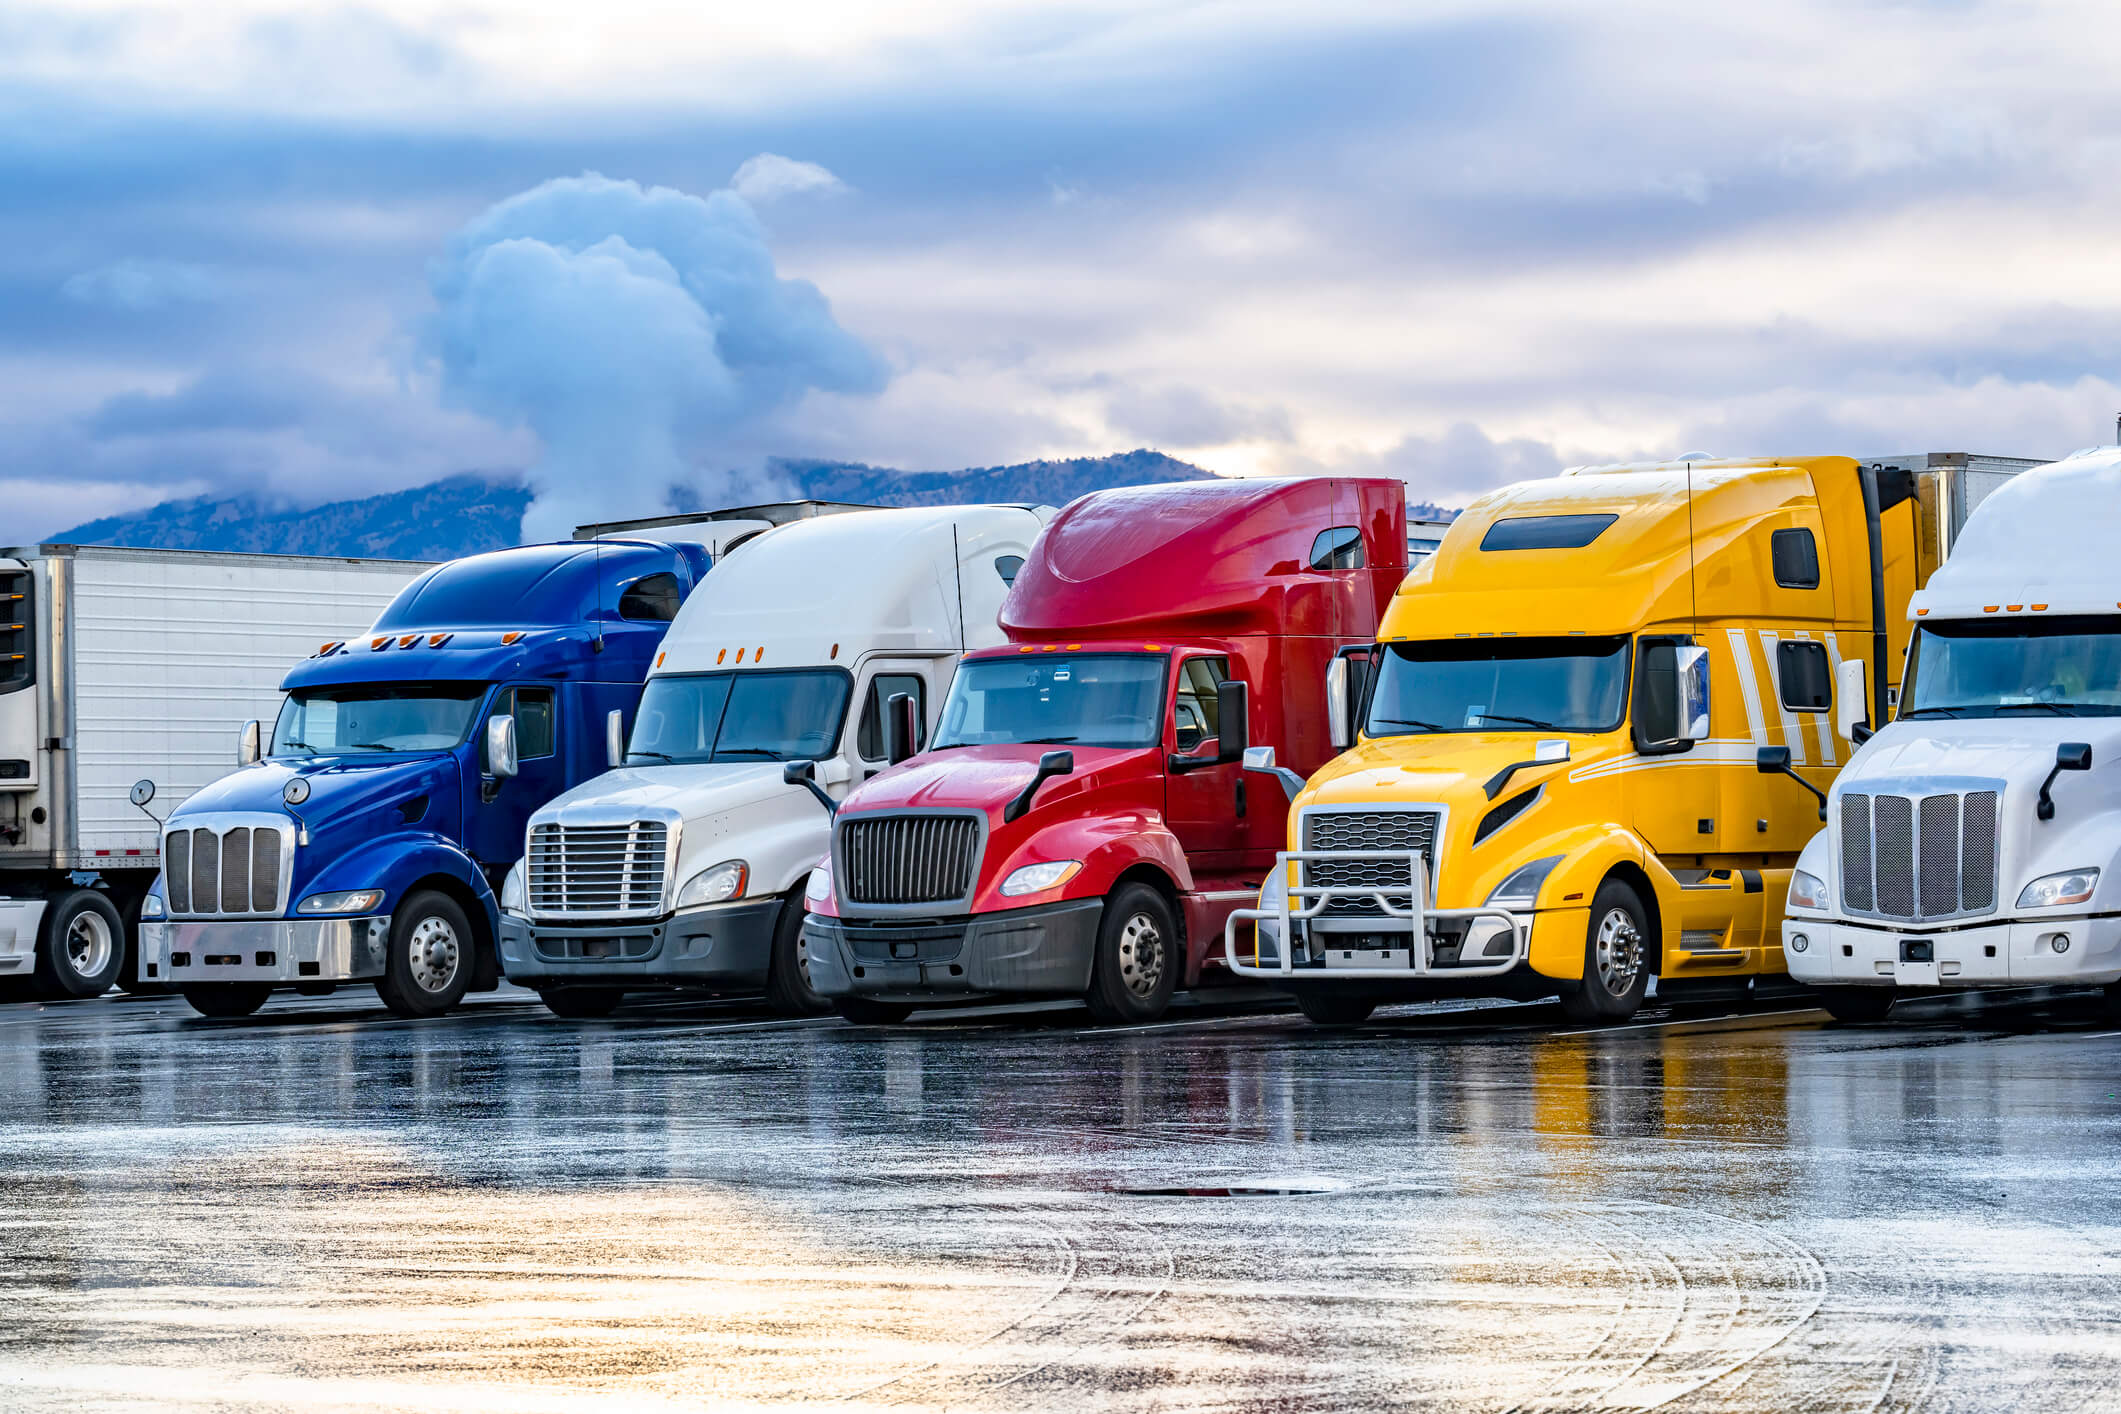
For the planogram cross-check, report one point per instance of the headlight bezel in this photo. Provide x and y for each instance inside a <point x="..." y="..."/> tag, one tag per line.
<point x="1814" y="901"/>
<point x="341" y="903"/>
<point x="1047" y="875"/>
<point x="1519" y="890"/>
<point x="731" y="877"/>
<point x="2059" y="897"/>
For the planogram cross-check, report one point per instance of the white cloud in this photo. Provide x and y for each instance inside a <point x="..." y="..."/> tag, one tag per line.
<point x="770" y="176"/>
<point x="144" y="285"/>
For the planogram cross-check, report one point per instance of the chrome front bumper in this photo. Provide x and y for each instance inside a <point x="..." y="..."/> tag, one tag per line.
<point x="1315" y="955"/>
<point x="2006" y="953"/>
<point x="282" y="951"/>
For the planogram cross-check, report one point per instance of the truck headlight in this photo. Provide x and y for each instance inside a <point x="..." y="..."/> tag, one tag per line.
<point x="2056" y="890"/>
<point x="152" y="907"/>
<point x="818" y="887"/>
<point x="719" y="884"/>
<point x="513" y="899"/>
<point x="1807" y="890"/>
<point x="351" y="901"/>
<point x="1037" y="878"/>
<point x="1521" y="889"/>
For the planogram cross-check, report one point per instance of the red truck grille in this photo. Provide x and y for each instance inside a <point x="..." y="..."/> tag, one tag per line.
<point x="895" y="860"/>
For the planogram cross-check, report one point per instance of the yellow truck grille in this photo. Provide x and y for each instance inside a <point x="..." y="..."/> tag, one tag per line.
<point x="1394" y="831"/>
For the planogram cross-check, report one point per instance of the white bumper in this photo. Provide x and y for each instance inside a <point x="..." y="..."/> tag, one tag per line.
<point x="19" y="919"/>
<point x="2006" y="953"/>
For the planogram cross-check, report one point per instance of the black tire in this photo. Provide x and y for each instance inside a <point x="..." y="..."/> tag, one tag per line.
<point x="1856" y="1005"/>
<point x="865" y="1011"/>
<point x="81" y="945"/>
<point x="1322" y="1008"/>
<point x="788" y="989"/>
<point x="1136" y="966"/>
<point x="129" y="979"/>
<point x="231" y="999"/>
<point x="582" y="1003"/>
<point x="432" y="953"/>
<point x="1616" y="962"/>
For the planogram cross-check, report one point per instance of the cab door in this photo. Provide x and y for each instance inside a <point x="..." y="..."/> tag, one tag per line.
<point x="498" y="811"/>
<point x="1203" y="806"/>
<point x="868" y="751"/>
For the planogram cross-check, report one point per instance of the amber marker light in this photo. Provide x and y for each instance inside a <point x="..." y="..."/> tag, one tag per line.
<point x="407" y="640"/>
<point x="720" y="656"/>
<point x="510" y="637"/>
<point x="2039" y="608"/>
<point x="377" y="645"/>
<point x="2014" y="608"/>
<point x="1990" y="608"/>
<point x="436" y="640"/>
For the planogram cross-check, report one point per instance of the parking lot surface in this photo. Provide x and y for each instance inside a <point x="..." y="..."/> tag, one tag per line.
<point x="700" y="1207"/>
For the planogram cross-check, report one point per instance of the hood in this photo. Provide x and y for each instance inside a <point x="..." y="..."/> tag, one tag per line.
<point x="987" y="777"/>
<point x="672" y="792"/>
<point x="1452" y="769"/>
<point x="339" y="786"/>
<point x="1910" y="757"/>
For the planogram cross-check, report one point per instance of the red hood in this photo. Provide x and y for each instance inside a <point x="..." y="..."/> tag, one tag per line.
<point x="988" y="777"/>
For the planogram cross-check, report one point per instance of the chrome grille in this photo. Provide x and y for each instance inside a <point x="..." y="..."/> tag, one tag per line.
<point x="894" y="860"/>
<point x="233" y="872"/>
<point x="1919" y="857"/>
<point x="1398" y="831"/>
<point x="602" y="871"/>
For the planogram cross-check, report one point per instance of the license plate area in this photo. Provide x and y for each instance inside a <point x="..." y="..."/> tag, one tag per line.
<point x="1917" y="966"/>
<point x="1369" y="957"/>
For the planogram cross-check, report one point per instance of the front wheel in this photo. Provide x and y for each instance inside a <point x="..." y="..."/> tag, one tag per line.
<point x="234" y="999"/>
<point x="1616" y="968"/>
<point x="788" y="989"/>
<point x="863" y="1011"/>
<point x="1136" y="964"/>
<point x="81" y="947"/>
<point x="582" y="1003"/>
<point x="430" y="958"/>
<point x="1856" y="1004"/>
<point x="1333" y="1008"/>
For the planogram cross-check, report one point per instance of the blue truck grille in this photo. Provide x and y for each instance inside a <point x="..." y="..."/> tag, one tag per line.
<point x="232" y="873"/>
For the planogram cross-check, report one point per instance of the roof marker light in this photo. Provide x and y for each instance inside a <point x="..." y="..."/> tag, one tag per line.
<point x="512" y="636"/>
<point x="739" y="655"/>
<point x="1990" y="608"/>
<point x="835" y="650"/>
<point x="436" y="640"/>
<point x="2039" y="608"/>
<point x="758" y="654"/>
<point x="1920" y="612"/>
<point x="407" y="640"/>
<point x="659" y="660"/>
<point x="720" y="656"/>
<point x="1027" y="648"/>
<point x="331" y="647"/>
<point x="2014" y="608"/>
<point x="1049" y="648"/>
<point x="377" y="645"/>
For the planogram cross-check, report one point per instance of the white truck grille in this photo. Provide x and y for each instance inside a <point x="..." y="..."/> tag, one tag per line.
<point x="237" y="871"/>
<point x="1400" y="831"/>
<point x="601" y="871"/>
<point x="1919" y="858"/>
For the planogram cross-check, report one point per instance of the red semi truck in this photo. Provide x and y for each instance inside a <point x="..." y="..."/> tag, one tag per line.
<point x="1082" y="823"/>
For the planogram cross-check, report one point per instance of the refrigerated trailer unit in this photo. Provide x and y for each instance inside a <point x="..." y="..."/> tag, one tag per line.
<point x="120" y="666"/>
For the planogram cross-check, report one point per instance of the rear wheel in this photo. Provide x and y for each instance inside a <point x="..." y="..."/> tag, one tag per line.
<point x="788" y="989"/>
<point x="1616" y="961"/>
<point x="430" y="958"/>
<point x="582" y="1003"/>
<point x="235" y="999"/>
<point x="1333" y="1008"/>
<point x="82" y="945"/>
<point x="1137" y="960"/>
<point x="1856" y="1004"/>
<point x="864" y="1011"/>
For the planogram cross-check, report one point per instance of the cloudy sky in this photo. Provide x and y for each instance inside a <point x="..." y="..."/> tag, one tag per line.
<point x="314" y="251"/>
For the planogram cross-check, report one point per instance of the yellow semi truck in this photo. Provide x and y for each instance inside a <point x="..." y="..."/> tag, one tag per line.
<point x="1572" y="747"/>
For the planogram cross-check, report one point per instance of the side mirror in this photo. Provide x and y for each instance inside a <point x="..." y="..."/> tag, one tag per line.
<point x="804" y="774"/>
<point x="1852" y="702"/>
<point x="1339" y="729"/>
<point x="1260" y="759"/>
<point x="1775" y="761"/>
<point x="902" y="727"/>
<point x="1053" y="763"/>
<point x="141" y="793"/>
<point x="250" y="743"/>
<point x="615" y="738"/>
<point x="2069" y="756"/>
<point x="1233" y="720"/>
<point x="1693" y="665"/>
<point x="501" y="761"/>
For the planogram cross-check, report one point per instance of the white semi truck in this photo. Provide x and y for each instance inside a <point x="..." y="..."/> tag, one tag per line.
<point x="122" y="666"/>
<point x="1975" y="841"/>
<point x="815" y="655"/>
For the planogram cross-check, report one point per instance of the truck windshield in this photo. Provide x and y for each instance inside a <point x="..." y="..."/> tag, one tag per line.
<point x="1083" y="699"/>
<point x="1500" y="685"/>
<point x="743" y="716"/>
<point x="2063" y="666"/>
<point x="390" y="716"/>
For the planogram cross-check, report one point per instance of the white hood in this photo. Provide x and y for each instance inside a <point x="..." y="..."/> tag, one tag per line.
<point x="671" y="793"/>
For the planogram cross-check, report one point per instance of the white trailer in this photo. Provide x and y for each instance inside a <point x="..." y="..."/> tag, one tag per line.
<point x="120" y="666"/>
<point x="1975" y="840"/>
<point x="685" y="866"/>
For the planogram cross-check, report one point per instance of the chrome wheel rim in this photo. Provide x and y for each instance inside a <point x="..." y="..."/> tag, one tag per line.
<point x="1619" y="949"/>
<point x="433" y="953"/>
<point x="802" y="957"/>
<point x="89" y="943"/>
<point x="1141" y="955"/>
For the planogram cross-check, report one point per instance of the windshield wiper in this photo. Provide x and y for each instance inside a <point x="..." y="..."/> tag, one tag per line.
<point x="2055" y="707"/>
<point x="303" y="744"/>
<point x="369" y="746"/>
<point x="748" y="751"/>
<point x="1487" y="717"/>
<point x="1047" y="740"/>
<point x="658" y="755"/>
<point x="1409" y="722"/>
<point x="1942" y="711"/>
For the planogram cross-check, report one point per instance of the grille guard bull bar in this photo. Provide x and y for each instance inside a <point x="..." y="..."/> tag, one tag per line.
<point x="1412" y="921"/>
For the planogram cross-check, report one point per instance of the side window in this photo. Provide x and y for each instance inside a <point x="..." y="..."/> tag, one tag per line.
<point x="1337" y="549"/>
<point x="869" y="736"/>
<point x="1796" y="558"/>
<point x="653" y="598"/>
<point x="1194" y="711"/>
<point x="1007" y="566"/>
<point x="1804" y="676"/>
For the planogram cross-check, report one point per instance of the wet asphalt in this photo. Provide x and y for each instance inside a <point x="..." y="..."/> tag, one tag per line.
<point x="698" y="1207"/>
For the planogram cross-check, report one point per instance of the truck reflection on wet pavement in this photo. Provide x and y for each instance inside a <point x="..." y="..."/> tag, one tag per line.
<point x="1446" y="1208"/>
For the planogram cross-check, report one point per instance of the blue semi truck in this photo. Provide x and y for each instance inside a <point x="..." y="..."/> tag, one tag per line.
<point x="370" y="826"/>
